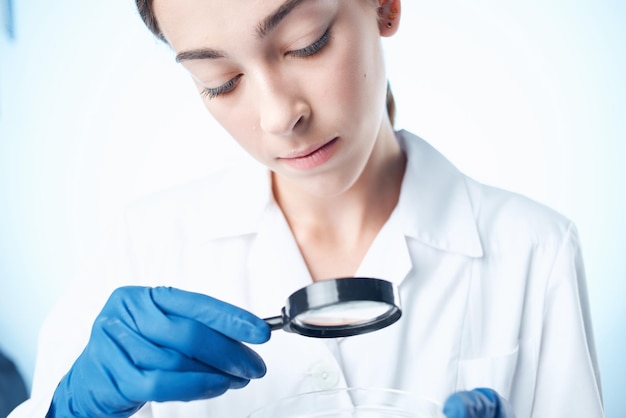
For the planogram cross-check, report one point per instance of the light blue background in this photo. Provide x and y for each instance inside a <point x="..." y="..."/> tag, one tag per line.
<point x="526" y="95"/>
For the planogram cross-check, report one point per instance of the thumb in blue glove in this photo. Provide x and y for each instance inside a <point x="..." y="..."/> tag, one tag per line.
<point x="477" y="403"/>
<point x="160" y="344"/>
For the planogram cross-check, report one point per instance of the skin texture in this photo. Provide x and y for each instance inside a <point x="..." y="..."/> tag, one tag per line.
<point x="280" y="100"/>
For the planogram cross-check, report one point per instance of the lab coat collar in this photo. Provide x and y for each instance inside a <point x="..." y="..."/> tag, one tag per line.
<point x="231" y="203"/>
<point x="434" y="205"/>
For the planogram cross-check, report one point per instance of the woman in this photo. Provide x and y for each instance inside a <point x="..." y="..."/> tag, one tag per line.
<point x="492" y="283"/>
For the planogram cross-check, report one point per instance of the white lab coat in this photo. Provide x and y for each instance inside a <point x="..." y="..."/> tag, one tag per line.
<point x="492" y="285"/>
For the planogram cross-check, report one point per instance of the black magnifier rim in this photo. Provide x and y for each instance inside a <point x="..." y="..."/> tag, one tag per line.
<point x="331" y="292"/>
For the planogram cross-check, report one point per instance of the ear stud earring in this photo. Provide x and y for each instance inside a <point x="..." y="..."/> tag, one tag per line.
<point x="391" y="16"/>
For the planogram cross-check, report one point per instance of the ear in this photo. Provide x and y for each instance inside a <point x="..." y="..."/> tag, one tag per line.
<point x="389" y="12"/>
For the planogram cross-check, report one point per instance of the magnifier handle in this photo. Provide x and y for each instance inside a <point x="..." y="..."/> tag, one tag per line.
<point x="275" y="322"/>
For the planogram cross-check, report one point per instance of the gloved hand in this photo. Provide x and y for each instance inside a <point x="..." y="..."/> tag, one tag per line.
<point x="160" y="344"/>
<point x="477" y="403"/>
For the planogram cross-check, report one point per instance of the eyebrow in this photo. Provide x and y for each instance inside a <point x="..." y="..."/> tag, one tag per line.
<point x="271" y="21"/>
<point x="262" y="30"/>
<point x="199" y="54"/>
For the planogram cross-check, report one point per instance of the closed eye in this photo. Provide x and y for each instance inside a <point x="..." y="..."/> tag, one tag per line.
<point x="225" y="88"/>
<point x="312" y="49"/>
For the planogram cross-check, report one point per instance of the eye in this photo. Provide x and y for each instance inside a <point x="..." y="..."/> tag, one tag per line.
<point x="225" y="88"/>
<point x="312" y="49"/>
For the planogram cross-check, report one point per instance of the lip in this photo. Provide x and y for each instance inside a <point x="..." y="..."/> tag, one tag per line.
<point x="311" y="157"/>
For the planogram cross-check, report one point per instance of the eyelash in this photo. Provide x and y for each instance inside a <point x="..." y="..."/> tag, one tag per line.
<point x="212" y="93"/>
<point x="305" y="52"/>
<point x="312" y="49"/>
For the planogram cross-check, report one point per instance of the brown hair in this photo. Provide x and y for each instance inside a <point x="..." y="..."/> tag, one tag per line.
<point x="148" y="17"/>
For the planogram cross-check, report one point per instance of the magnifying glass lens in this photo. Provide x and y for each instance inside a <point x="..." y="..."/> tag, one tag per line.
<point x="343" y="314"/>
<point x="339" y="308"/>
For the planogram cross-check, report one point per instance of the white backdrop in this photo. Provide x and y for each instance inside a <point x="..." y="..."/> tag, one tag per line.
<point x="526" y="95"/>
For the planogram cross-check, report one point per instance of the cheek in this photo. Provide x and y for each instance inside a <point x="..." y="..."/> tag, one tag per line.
<point x="238" y="120"/>
<point x="356" y="78"/>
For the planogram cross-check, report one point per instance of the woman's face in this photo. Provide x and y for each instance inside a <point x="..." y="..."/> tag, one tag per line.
<point x="299" y="84"/>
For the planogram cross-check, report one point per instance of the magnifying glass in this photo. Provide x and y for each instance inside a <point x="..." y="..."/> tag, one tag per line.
<point x="339" y="308"/>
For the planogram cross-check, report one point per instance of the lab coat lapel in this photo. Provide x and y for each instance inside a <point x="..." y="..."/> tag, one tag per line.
<point x="276" y="270"/>
<point x="228" y="204"/>
<point x="388" y="257"/>
<point x="434" y="216"/>
<point x="435" y="204"/>
<point x="246" y="208"/>
<point x="276" y="266"/>
<point x="434" y="207"/>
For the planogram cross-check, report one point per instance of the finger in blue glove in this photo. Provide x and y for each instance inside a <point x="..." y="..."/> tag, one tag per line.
<point x="160" y="344"/>
<point x="477" y="403"/>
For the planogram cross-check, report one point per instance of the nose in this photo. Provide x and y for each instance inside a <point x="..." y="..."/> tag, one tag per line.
<point x="282" y="105"/>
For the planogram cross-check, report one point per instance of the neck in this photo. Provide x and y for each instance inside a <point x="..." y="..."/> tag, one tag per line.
<point x="345" y="223"/>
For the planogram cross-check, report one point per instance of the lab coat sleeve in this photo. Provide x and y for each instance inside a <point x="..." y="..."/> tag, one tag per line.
<point x="567" y="380"/>
<point x="66" y="329"/>
<point x="62" y="337"/>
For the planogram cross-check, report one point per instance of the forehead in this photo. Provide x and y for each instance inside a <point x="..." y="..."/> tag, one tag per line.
<point x="185" y="22"/>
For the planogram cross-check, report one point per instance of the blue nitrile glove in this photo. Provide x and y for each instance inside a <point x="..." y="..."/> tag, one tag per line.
<point x="160" y="344"/>
<point x="477" y="403"/>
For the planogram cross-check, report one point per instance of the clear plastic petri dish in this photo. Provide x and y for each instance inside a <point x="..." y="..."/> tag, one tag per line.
<point x="351" y="403"/>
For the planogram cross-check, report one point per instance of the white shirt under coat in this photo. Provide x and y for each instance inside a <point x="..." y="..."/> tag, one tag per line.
<point x="492" y="286"/>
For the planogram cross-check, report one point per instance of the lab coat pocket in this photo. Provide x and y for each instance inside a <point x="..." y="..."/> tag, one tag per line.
<point x="495" y="372"/>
